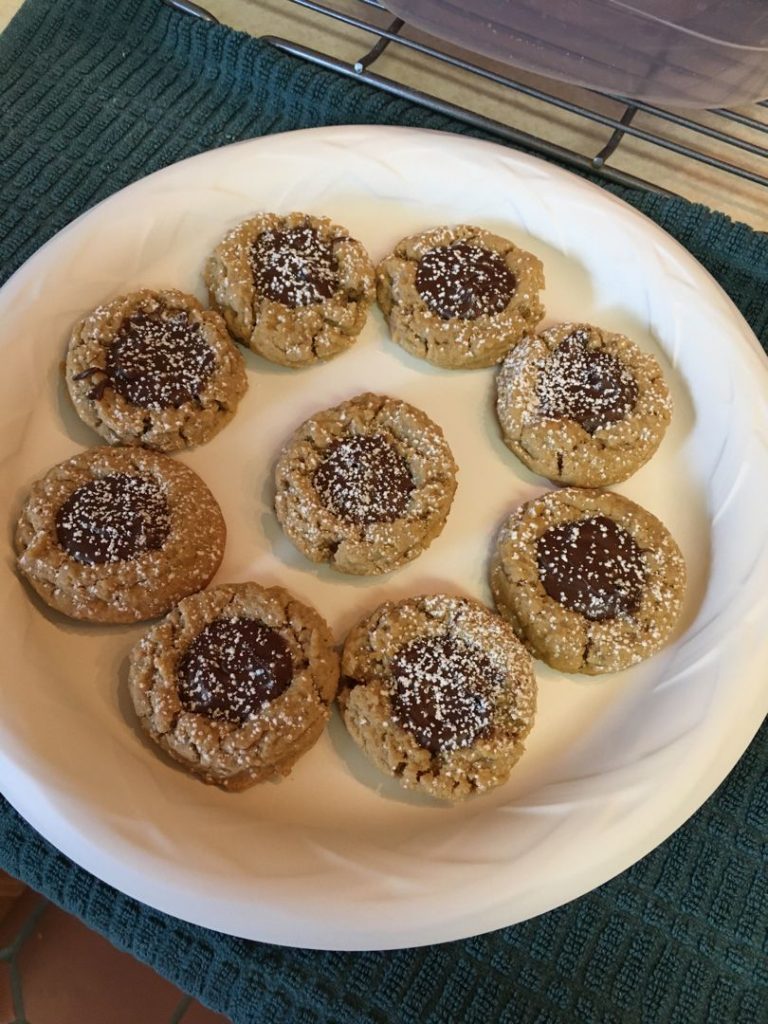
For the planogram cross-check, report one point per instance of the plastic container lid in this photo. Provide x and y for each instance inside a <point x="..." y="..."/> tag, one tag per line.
<point x="686" y="53"/>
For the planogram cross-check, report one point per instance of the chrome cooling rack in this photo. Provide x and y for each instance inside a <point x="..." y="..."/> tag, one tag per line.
<point x="728" y="142"/>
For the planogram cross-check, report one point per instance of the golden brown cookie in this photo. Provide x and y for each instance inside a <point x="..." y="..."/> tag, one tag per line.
<point x="589" y="580"/>
<point x="581" y="405"/>
<point x="296" y="289"/>
<point x="119" y="535"/>
<point x="235" y="683"/>
<point x="365" y="486"/>
<point x="154" y="368"/>
<point x="439" y="693"/>
<point x="459" y="296"/>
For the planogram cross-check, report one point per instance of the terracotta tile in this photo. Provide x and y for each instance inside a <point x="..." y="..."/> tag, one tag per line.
<point x="70" y="975"/>
<point x="10" y="891"/>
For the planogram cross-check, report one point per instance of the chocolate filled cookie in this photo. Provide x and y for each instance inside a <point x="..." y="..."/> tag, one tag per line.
<point x="365" y="486"/>
<point x="235" y="683"/>
<point x="154" y="368"/>
<point x="295" y="289"/>
<point x="438" y="692"/>
<point x="581" y="405"/>
<point x="119" y="535"/>
<point x="590" y="581"/>
<point x="460" y="296"/>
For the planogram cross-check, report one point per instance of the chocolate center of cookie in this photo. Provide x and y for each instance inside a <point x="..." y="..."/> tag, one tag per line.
<point x="584" y="384"/>
<point x="232" y="669"/>
<point x="295" y="267"/>
<point x="156" y="361"/>
<point x="364" y="480"/>
<point x="113" y="519"/>
<point x="442" y="692"/>
<point x="593" y="567"/>
<point x="464" y="281"/>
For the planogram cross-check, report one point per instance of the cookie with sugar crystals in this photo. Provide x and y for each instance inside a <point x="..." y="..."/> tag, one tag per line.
<point x="365" y="486"/>
<point x="439" y="693"/>
<point x="590" y="581"/>
<point x="119" y="535"/>
<point x="154" y="368"/>
<point x="581" y="405"/>
<point x="459" y="296"/>
<point x="295" y="288"/>
<point x="235" y="684"/>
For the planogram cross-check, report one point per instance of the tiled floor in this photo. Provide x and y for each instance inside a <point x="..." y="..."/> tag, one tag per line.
<point x="70" y="975"/>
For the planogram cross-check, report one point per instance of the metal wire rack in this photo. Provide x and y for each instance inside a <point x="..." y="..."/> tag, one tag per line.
<point x="729" y="142"/>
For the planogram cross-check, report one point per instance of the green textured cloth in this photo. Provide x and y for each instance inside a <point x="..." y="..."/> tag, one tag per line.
<point x="97" y="93"/>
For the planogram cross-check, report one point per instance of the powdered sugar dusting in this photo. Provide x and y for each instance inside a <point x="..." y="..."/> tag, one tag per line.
<point x="233" y="669"/>
<point x="464" y="281"/>
<point x="294" y="266"/>
<point x="112" y="519"/>
<point x="592" y="566"/>
<point x="157" y="361"/>
<point x="364" y="479"/>
<point x="443" y="691"/>
<point x="585" y="384"/>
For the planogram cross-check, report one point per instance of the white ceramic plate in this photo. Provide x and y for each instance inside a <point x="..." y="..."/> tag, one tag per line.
<point x="337" y="857"/>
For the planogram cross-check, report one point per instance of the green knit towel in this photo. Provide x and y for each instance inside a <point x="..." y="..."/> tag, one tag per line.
<point x="97" y="93"/>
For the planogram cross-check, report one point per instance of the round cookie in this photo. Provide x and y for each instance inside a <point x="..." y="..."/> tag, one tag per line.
<point x="235" y="683"/>
<point x="295" y="289"/>
<point x="156" y="369"/>
<point x="581" y="405"/>
<point x="119" y="535"/>
<point x="589" y="580"/>
<point x="438" y="692"/>
<point x="459" y="296"/>
<point x="365" y="486"/>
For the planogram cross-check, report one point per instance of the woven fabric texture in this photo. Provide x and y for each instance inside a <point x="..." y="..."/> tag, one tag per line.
<point x="97" y="93"/>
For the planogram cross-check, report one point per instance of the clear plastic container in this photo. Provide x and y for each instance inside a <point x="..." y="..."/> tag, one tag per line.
<point x="687" y="53"/>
